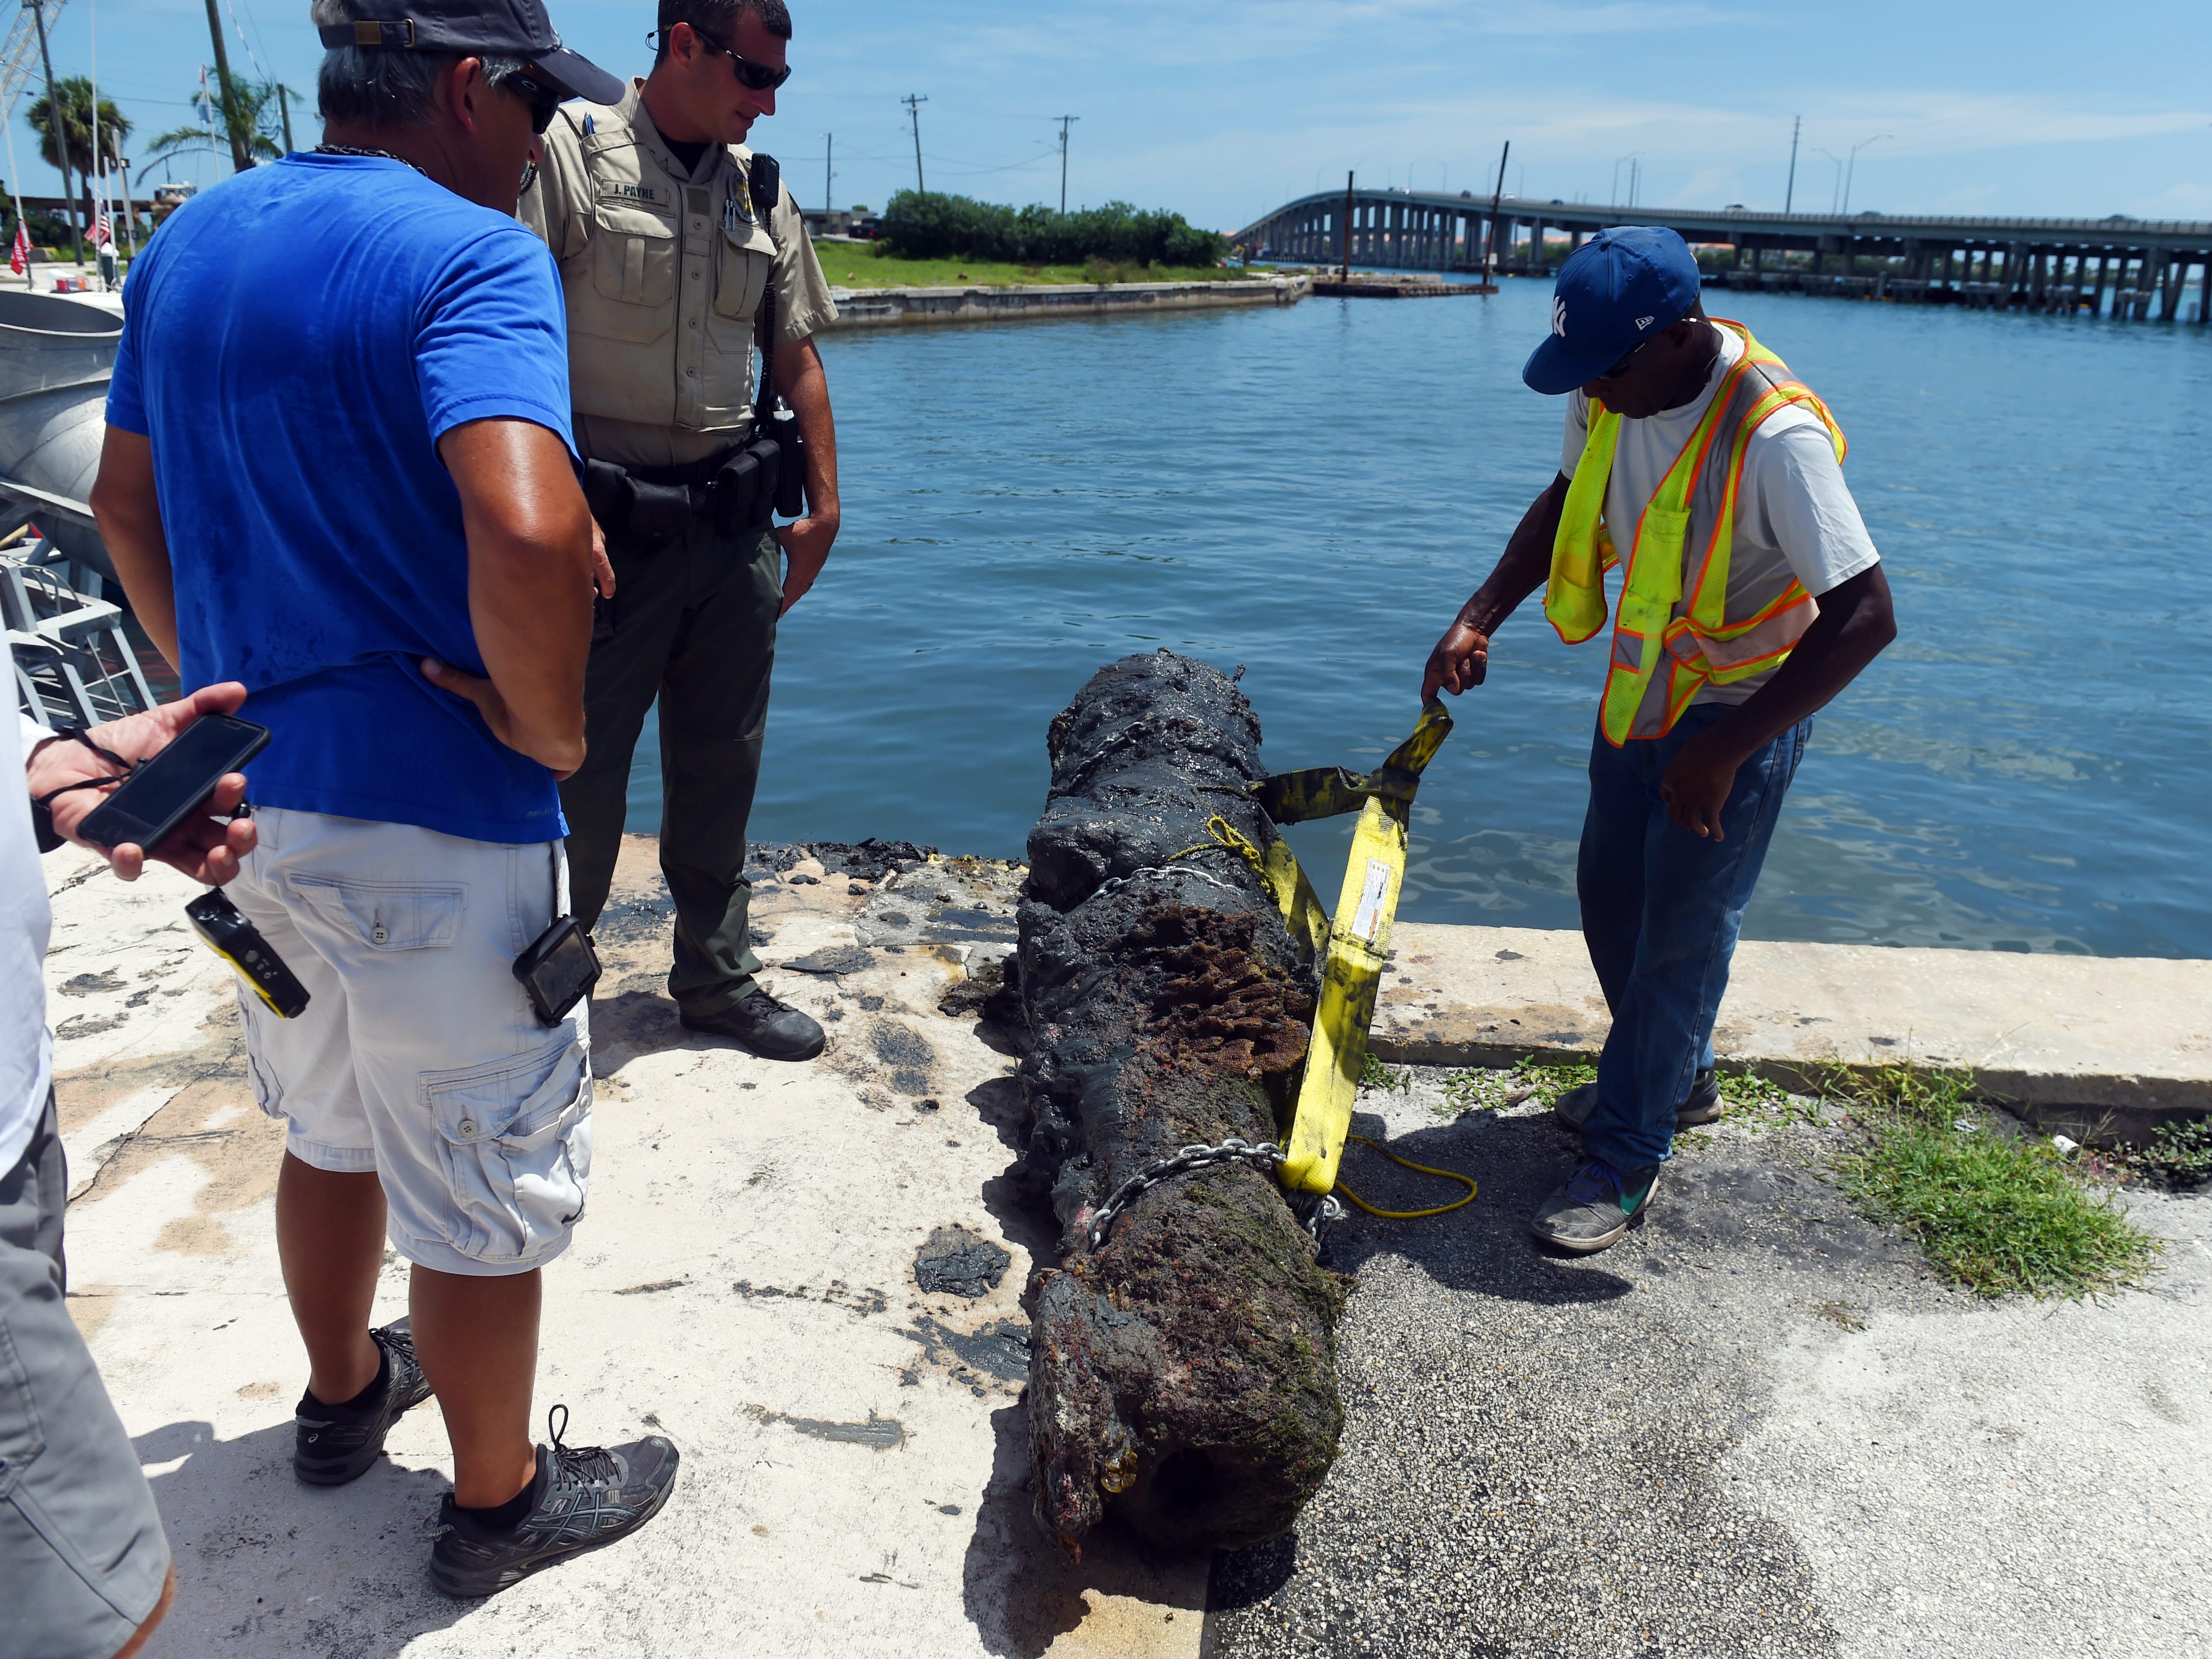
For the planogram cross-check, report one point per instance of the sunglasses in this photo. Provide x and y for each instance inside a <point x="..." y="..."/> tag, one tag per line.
<point x="758" y="76"/>
<point x="542" y="101"/>
<point x="1621" y="368"/>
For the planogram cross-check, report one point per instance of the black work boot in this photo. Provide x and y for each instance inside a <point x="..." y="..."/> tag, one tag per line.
<point x="772" y="1029"/>
<point x="333" y="1444"/>
<point x="581" y="1497"/>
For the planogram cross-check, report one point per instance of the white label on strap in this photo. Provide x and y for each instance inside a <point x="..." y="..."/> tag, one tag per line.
<point x="1368" y="918"/>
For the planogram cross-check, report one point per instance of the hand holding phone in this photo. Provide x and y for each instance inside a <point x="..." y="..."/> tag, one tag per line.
<point x="196" y="841"/>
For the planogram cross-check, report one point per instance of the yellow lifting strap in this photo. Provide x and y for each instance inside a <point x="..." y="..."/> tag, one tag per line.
<point x="1353" y="948"/>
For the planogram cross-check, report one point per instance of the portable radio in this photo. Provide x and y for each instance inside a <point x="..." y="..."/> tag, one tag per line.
<point x="239" y="942"/>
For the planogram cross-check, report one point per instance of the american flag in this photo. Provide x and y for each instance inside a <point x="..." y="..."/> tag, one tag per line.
<point x="102" y="231"/>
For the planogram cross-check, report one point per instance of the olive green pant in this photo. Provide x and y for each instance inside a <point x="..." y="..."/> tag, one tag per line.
<point x="694" y="625"/>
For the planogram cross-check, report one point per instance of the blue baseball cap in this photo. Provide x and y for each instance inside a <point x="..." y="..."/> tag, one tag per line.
<point x="1614" y="291"/>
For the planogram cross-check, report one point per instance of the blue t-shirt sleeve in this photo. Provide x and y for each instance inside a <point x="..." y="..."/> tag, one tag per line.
<point x="494" y="337"/>
<point x="126" y="402"/>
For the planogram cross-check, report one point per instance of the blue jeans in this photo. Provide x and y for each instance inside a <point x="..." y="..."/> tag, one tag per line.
<point x="1662" y="907"/>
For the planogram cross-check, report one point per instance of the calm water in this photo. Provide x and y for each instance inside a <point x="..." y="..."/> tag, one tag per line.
<point x="1311" y="492"/>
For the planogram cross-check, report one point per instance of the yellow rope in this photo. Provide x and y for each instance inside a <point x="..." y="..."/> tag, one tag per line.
<point x="1407" y="1163"/>
<point x="1227" y="836"/>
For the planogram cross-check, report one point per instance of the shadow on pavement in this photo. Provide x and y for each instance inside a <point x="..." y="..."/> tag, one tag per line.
<point x="1516" y="1163"/>
<point x="1020" y="1590"/>
<point x="268" y="1566"/>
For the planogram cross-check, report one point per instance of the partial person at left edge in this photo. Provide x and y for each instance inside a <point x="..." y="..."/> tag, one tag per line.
<point x="339" y="469"/>
<point x="84" y="1567"/>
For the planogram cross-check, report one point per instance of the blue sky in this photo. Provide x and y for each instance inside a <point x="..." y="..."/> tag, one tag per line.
<point x="1223" y="109"/>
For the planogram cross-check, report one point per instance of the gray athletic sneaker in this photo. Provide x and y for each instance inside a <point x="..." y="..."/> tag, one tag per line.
<point x="333" y="1444"/>
<point x="587" y="1495"/>
<point x="1704" y="1104"/>
<point x="1594" y="1208"/>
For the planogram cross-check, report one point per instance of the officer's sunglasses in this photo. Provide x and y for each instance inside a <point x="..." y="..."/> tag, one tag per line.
<point x="758" y="76"/>
<point x="542" y="101"/>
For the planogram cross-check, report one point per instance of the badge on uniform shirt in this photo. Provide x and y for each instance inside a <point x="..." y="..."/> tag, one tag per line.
<point x="737" y="205"/>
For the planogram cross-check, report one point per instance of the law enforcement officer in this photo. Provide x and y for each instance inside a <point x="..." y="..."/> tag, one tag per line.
<point x="675" y="243"/>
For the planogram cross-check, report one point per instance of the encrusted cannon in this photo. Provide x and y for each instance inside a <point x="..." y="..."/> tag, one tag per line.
<point x="1182" y="1368"/>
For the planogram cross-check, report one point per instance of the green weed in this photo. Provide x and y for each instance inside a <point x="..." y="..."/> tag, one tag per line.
<point x="2179" y="1153"/>
<point x="1529" y="1081"/>
<point x="1390" y="1079"/>
<point x="1997" y="1215"/>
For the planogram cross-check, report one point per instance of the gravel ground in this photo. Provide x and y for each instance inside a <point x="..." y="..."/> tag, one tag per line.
<point x="1548" y="1456"/>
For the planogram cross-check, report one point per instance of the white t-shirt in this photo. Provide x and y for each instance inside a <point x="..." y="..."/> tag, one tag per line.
<point x="1794" y="505"/>
<point x="27" y="1047"/>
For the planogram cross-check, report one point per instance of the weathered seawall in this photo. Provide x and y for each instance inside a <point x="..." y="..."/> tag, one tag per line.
<point x="890" y="308"/>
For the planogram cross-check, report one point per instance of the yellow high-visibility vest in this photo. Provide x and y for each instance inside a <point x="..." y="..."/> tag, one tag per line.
<point x="1720" y="638"/>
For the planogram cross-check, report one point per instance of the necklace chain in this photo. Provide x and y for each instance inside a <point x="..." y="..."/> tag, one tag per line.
<point x="379" y="154"/>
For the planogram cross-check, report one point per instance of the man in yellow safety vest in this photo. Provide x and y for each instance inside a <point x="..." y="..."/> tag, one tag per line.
<point x="1750" y="595"/>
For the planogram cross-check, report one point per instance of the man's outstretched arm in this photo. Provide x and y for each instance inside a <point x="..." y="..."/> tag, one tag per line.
<point x="1461" y="657"/>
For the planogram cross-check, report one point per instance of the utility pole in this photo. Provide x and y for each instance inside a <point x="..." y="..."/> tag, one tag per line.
<point x="913" y="111"/>
<point x="239" y="158"/>
<point x="1063" y="120"/>
<point x="284" y="103"/>
<point x="1497" y="197"/>
<point x="1344" y="271"/>
<point x="1790" y="195"/>
<point x="60" y="130"/>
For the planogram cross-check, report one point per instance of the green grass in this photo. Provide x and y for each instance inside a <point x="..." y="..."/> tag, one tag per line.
<point x="849" y="265"/>
<point x="1997" y="1215"/>
<point x="1390" y="1079"/>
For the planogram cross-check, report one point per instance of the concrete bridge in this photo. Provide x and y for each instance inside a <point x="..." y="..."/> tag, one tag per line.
<point x="2120" y="267"/>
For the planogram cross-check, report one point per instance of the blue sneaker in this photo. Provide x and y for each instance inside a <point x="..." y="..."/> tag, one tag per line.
<point x="1595" y="1207"/>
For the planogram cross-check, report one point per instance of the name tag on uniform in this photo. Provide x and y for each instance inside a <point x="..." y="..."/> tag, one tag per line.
<point x="632" y="192"/>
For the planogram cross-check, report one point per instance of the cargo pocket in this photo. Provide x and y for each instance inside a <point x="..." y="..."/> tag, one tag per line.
<point x="633" y="273"/>
<point x="743" y="259"/>
<point x="516" y="1139"/>
<point x="386" y="915"/>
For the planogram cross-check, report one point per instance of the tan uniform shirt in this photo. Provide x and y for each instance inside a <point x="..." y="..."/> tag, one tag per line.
<point x="664" y="271"/>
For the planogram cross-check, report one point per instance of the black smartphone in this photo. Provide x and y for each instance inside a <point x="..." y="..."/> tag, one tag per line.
<point x="558" y="971"/>
<point x="149" y="806"/>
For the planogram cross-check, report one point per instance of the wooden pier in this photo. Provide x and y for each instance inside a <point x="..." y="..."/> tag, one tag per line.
<point x="2137" y="270"/>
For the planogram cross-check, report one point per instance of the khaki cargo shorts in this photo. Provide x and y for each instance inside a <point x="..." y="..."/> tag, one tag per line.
<point x="418" y="1056"/>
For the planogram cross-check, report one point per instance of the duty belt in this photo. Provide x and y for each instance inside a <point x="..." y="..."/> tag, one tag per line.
<point x="644" y="508"/>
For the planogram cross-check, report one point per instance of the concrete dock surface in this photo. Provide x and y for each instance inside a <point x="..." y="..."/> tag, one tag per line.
<point x="1758" y="1426"/>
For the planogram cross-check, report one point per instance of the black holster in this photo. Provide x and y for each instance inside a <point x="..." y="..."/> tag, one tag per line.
<point x="634" y="513"/>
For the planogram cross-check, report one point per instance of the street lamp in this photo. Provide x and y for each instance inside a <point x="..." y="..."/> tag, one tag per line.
<point x="1835" y="194"/>
<point x="1619" y="163"/>
<point x="1856" y="148"/>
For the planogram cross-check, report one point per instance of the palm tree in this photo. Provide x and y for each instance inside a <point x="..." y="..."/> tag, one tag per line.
<point x="258" y="115"/>
<point x="74" y="93"/>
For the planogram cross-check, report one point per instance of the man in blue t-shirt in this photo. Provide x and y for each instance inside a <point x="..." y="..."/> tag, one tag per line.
<point x="339" y="469"/>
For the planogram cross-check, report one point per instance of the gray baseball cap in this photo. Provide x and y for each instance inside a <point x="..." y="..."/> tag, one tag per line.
<point x="497" y="29"/>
